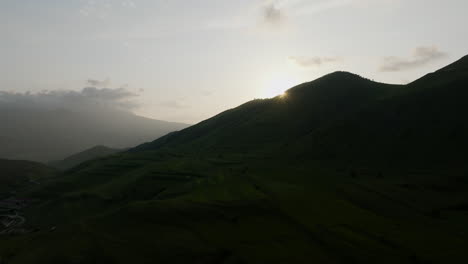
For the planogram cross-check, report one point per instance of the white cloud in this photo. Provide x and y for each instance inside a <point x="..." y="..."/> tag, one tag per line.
<point x="100" y="9"/>
<point x="279" y="9"/>
<point x="128" y="3"/>
<point x="272" y="14"/>
<point x="421" y="56"/>
<point x="88" y="99"/>
<point x="173" y="104"/>
<point x="97" y="83"/>
<point x="309" y="62"/>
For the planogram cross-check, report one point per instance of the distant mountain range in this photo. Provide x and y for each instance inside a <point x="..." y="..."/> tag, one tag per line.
<point x="338" y="170"/>
<point x="47" y="135"/>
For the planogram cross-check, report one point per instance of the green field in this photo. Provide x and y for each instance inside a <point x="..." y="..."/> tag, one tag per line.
<point x="210" y="210"/>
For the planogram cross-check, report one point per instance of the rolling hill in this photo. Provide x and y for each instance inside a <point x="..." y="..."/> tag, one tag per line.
<point x="89" y="154"/>
<point x="338" y="170"/>
<point x="16" y="173"/>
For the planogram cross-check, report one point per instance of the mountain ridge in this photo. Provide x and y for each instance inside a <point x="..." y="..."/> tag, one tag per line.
<point x="334" y="97"/>
<point x="311" y="101"/>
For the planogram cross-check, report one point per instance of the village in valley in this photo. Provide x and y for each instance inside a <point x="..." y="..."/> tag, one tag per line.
<point x="11" y="221"/>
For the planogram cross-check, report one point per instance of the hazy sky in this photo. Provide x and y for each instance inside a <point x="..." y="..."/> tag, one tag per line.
<point x="188" y="60"/>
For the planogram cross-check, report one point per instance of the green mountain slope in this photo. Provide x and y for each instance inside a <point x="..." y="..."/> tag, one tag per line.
<point x="340" y="170"/>
<point x="344" y="117"/>
<point x="426" y="126"/>
<point x="15" y="173"/>
<point x="89" y="154"/>
<point x="261" y="124"/>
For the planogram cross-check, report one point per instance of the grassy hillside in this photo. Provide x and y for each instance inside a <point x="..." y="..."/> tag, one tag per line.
<point x="171" y="208"/>
<point x="340" y="170"/>
<point x="89" y="154"/>
<point x="344" y="117"/>
<point x="15" y="173"/>
<point x="261" y="124"/>
<point x="423" y="127"/>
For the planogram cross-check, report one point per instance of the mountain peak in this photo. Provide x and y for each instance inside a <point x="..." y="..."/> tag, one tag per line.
<point x="344" y="76"/>
<point x="340" y="75"/>
<point x="338" y="80"/>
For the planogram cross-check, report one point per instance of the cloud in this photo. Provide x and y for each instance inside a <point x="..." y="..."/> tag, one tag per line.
<point x="128" y="3"/>
<point x="206" y="92"/>
<point x="98" y="83"/>
<point x="88" y="99"/>
<point x="97" y="9"/>
<point x="309" y="8"/>
<point x="274" y="12"/>
<point x="271" y="13"/>
<point x="309" y="62"/>
<point x="421" y="56"/>
<point x="173" y="104"/>
<point x="107" y="94"/>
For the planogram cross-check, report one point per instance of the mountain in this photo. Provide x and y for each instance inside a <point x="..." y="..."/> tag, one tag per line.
<point x="46" y="135"/>
<point x="342" y="116"/>
<point x="338" y="170"/>
<point x="265" y="123"/>
<point x="424" y="126"/>
<point x="16" y="173"/>
<point x="89" y="154"/>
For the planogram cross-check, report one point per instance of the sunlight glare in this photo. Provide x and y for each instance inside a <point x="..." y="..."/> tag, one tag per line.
<point x="277" y="86"/>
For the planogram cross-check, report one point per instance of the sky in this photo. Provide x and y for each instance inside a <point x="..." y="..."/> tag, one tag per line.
<point x="187" y="60"/>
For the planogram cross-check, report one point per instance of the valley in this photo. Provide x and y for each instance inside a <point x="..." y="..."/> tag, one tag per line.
<point x="235" y="209"/>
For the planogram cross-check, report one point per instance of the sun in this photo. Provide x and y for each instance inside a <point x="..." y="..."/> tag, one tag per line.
<point x="278" y="85"/>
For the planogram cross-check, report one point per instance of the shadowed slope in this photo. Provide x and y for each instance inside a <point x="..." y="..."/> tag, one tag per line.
<point x="261" y="124"/>
<point x="342" y="116"/>
<point x="425" y="126"/>
<point x="89" y="154"/>
<point x="14" y="173"/>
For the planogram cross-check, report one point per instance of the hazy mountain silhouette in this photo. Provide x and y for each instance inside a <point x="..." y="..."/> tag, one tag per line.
<point x="89" y="154"/>
<point x="343" y="116"/>
<point x="338" y="170"/>
<point x="424" y="125"/>
<point x="46" y="135"/>
<point x="272" y="122"/>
